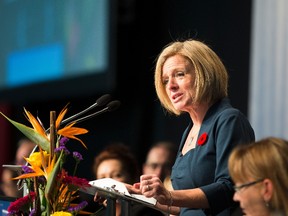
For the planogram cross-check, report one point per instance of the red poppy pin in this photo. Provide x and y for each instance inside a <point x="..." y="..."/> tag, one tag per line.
<point x="202" y="139"/>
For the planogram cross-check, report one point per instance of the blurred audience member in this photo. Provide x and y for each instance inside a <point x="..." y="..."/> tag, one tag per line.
<point x="9" y="187"/>
<point x="260" y="173"/>
<point x="25" y="147"/>
<point x="119" y="163"/>
<point x="159" y="161"/>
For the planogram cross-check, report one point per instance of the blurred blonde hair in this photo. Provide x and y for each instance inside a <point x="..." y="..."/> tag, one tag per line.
<point x="211" y="81"/>
<point x="267" y="158"/>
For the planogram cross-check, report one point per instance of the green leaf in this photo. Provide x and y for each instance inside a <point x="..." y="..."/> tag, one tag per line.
<point x="52" y="178"/>
<point x="31" y="134"/>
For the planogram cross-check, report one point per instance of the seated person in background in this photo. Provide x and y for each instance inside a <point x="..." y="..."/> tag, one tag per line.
<point x="9" y="187"/>
<point x="118" y="162"/>
<point x="159" y="161"/>
<point x="25" y="147"/>
<point x="260" y="173"/>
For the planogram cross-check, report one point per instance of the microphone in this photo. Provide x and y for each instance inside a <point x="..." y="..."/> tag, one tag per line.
<point x="103" y="100"/>
<point x="113" y="105"/>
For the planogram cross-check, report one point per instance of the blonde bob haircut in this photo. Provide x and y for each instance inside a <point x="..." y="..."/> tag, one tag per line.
<point x="265" y="159"/>
<point x="211" y="78"/>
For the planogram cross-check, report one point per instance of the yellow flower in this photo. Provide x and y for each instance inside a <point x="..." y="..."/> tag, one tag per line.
<point x="36" y="159"/>
<point x="61" y="213"/>
<point x="40" y="164"/>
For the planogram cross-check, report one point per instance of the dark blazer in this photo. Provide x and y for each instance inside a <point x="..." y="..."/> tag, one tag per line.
<point x="205" y="166"/>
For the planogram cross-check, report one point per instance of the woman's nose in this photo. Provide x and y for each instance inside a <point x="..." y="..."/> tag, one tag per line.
<point x="235" y="197"/>
<point x="172" y="84"/>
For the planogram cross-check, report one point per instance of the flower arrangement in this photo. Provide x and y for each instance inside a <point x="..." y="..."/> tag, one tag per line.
<point x="51" y="190"/>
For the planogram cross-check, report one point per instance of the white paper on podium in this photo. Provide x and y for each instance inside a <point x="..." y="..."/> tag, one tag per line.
<point x="117" y="188"/>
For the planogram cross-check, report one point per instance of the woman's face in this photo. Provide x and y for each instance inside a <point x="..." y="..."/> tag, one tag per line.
<point x="251" y="201"/>
<point x="178" y="77"/>
<point x="111" y="168"/>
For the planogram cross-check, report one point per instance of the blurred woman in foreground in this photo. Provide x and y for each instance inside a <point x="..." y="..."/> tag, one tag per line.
<point x="260" y="173"/>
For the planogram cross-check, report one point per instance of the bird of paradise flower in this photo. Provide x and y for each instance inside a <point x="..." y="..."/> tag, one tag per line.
<point x="47" y="164"/>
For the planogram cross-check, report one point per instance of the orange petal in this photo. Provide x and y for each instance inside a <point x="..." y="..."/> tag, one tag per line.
<point x="61" y="116"/>
<point x="36" y="125"/>
<point x="73" y="137"/>
<point x="72" y="130"/>
<point x="28" y="175"/>
<point x="37" y="172"/>
<point x="51" y="166"/>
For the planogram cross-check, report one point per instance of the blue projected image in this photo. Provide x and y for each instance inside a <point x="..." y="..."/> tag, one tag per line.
<point x="34" y="65"/>
<point x="53" y="40"/>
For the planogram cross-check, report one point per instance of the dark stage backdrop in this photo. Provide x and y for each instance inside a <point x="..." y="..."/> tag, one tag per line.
<point x="143" y="28"/>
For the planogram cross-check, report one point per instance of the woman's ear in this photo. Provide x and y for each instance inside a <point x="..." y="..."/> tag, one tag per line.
<point x="267" y="190"/>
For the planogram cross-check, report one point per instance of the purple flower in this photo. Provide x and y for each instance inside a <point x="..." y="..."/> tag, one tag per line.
<point x="78" y="157"/>
<point x="42" y="180"/>
<point x="32" y="213"/>
<point x="27" y="169"/>
<point x="62" y="148"/>
<point x="63" y="141"/>
<point x="77" y="208"/>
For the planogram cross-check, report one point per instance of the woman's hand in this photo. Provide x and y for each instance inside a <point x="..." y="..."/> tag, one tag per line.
<point x="152" y="186"/>
<point x="133" y="189"/>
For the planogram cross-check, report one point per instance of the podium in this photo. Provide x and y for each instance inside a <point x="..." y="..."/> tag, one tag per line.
<point x="113" y="191"/>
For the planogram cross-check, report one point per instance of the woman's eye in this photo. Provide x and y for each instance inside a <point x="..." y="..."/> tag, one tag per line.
<point x="164" y="81"/>
<point x="179" y="74"/>
<point x="117" y="175"/>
